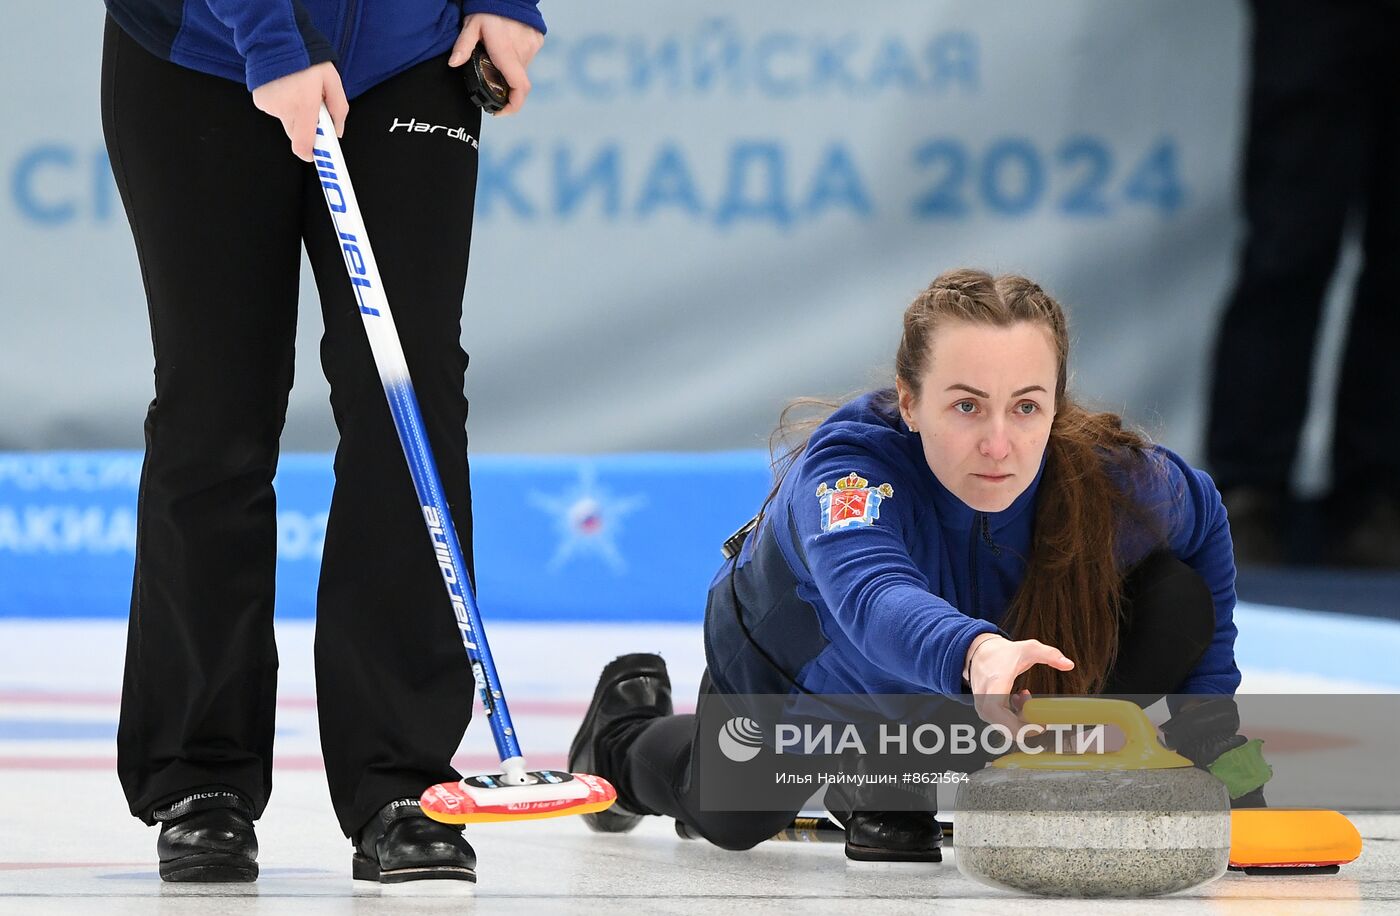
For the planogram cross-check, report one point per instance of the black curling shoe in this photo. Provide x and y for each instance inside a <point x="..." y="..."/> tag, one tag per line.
<point x="634" y="687"/>
<point x="207" y="836"/>
<point x="401" y="843"/>
<point x="893" y="836"/>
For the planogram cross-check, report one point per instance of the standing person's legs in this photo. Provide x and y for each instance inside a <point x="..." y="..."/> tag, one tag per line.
<point x="214" y="200"/>
<point x="394" y="686"/>
<point x="1366" y="441"/>
<point x="1302" y="166"/>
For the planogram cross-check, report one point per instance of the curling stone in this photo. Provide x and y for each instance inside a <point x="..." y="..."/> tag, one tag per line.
<point x="1135" y="822"/>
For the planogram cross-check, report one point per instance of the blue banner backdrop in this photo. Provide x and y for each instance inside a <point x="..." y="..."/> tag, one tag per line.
<point x="614" y="537"/>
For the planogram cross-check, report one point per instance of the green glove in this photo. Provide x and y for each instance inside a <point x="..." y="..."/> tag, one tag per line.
<point x="1243" y="769"/>
<point x="1206" y="731"/>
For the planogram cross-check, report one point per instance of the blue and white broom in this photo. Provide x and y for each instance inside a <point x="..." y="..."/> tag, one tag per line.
<point x="515" y="793"/>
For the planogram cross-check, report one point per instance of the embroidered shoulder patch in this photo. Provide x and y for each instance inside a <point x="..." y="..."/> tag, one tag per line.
<point x="852" y="503"/>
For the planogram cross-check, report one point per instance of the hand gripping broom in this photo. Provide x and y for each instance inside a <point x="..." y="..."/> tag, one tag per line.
<point x="515" y="793"/>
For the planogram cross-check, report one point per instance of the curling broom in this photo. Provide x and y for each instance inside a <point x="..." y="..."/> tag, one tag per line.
<point x="515" y="793"/>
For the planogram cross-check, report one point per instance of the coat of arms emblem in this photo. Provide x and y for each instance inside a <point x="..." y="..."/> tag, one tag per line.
<point x="852" y="503"/>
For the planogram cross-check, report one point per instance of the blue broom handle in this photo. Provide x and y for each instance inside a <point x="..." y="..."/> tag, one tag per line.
<point x="403" y="405"/>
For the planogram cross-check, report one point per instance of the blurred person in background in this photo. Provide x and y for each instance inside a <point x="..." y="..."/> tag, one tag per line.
<point x="199" y="101"/>
<point x="1322" y="153"/>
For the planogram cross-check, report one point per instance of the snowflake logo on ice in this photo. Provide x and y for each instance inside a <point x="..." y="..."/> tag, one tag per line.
<point x="589" y="519"/>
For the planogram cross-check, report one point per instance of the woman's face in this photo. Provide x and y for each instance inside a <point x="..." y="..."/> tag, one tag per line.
<point x="984" y="409"/>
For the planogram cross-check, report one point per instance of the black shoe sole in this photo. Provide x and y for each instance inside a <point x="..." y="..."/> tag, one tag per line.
<point x="363" y="868"/>
<point x="873" y="854"/>
<point x="213" y="867"/>
<point x="610" y="820"/>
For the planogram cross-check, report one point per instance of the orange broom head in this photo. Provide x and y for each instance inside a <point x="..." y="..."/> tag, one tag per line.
<point x="550" y="793"/>
<point x="1284" y="838"/>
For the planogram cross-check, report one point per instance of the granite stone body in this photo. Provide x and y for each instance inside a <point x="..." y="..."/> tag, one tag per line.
<point x="1093" y="833"/>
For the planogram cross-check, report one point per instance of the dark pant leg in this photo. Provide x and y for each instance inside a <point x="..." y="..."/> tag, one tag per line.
<point x="1366" y="451"/>
<point x="394" y="687"/>
<point x="1305" y="154"/>
<point x="214" y="202"/>
<point x="660" y="767"/>
<point x="1168" y="623"/>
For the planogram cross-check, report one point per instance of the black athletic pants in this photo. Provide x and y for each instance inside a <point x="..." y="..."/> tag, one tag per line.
<point x="1323" y="144"/>
<point x="1169" y="623"/>
<point x="219" y="209"/>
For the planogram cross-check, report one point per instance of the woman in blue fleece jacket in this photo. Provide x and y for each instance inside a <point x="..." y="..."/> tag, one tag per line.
<point x="220" y="210"/>
<point x="973" y="531"/>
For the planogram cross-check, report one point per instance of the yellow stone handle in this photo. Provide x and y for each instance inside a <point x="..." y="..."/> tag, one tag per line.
<point x="1141" y="751"/>
<point x="1126" y="715"/>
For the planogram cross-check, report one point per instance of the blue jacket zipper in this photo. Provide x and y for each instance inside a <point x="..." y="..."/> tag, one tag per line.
<point x="981" y="526"/>
<point x="987" y="537"/>
<point x="972" y="570"/>
<point x="346" y="34"/>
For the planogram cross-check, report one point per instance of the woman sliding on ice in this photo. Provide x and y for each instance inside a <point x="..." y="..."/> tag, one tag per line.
<point x="971" y="530"/>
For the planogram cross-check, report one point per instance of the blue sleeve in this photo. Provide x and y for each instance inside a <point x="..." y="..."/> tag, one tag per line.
<point x="275" y="37"/>
<point x="868" y="579"/>
<point x="526" y="11"/>
<point x="1198" y="534"/>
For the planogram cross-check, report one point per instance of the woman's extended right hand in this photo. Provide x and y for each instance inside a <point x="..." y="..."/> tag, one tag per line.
<point x="995" y="668"/>
<point x="295" y="100"/>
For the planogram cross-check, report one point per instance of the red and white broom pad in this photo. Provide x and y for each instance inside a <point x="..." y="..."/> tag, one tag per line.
<point x="478" y="799"/>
